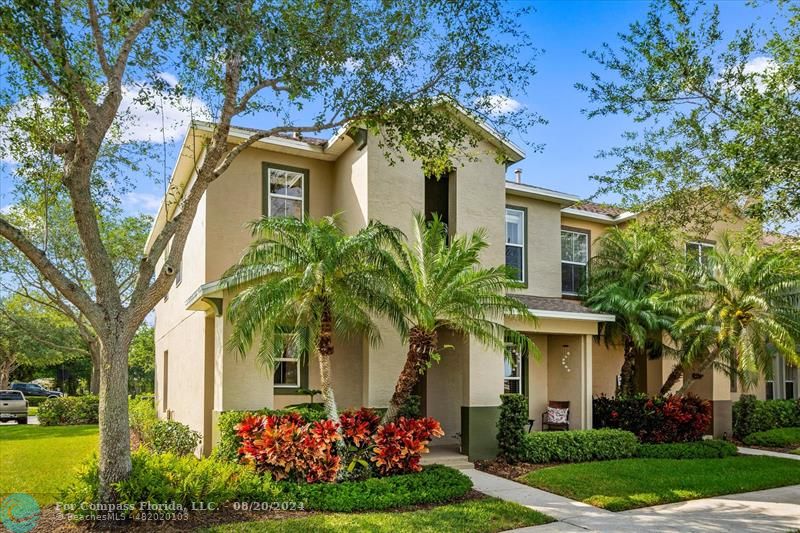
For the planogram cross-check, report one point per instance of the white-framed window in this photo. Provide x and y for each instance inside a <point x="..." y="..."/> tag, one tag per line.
<point x="285" y="192"/>
<point x="790" y="383"/>
<point x="574" y="260"/>
<point x="699" y="251"/>
<point x="287" y="369"/>
<point x="515" y="241"/>
<point x="512" y="375"/>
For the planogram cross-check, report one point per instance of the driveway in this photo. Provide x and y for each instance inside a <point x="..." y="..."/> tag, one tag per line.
<point x="31" y="420"/>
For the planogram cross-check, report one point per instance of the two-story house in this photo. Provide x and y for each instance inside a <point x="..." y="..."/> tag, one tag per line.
<point x="546" y="234"/>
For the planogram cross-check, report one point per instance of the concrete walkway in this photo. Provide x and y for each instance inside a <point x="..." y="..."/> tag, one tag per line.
<point x="773" y="510"/>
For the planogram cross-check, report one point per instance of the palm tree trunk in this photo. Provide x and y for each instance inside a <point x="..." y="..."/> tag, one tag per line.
<point x="626" y="385"/>
<point x="688" y="379"/>
<point x="325" y="351"/>
<point x="672" y="379"/>
<point x="421" y="345"/>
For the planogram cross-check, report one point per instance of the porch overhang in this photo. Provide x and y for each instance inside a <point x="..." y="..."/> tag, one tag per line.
<point x="206" y="297"/>
<point x="557" y="316"/>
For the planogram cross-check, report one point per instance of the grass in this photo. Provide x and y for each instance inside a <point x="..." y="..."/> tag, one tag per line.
<point x="39" y="460"/>
<point x="631" y="483"/>
<point x="485" y="515"/>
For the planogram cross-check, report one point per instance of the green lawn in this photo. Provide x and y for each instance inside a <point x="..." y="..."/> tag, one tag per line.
<point x="631" y="483"/>
<point x="486" y="515"/>
<point x="39" y="460"/>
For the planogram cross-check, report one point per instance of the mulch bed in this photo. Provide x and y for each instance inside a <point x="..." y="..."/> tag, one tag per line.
<point x="499" y="467"/>
<point x="51" y="520"/>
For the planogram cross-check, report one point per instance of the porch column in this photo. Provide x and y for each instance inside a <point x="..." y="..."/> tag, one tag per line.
<point x="586" y="381"/>
<point x="480" y="410"/>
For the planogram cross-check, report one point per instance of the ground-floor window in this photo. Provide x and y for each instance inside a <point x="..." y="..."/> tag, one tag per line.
<point x="287" y="369"/>
<point x="770" y="390"/>
<point x="790" y="383"/>
<point x="512" y="379"/>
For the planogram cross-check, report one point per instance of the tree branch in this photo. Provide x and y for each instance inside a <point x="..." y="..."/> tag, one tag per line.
<point x="99" y="41"/>
<point x="40" y="339"/>
<point x="71" y="290"/>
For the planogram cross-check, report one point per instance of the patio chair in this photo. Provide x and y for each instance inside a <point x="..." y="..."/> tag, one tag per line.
<point x="550" y="424"/>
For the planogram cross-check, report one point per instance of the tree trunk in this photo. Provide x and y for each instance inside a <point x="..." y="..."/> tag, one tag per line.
<point x="115" y="451"/>
<point x="421" y="345"/>
<point x="324" y="353"/>
<point x="626" y="385"/>
<point x="6" y="367"/>
<point x="94" y="379"/>
<point x="672" y="379"/>
<point x="688" y="378"/>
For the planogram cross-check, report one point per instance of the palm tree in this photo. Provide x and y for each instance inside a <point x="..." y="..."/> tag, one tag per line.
<point x="745" y="310"/>
<point x="304" y="282"/>
<point x="628" y="279"/>
<point x="441" y="285"/>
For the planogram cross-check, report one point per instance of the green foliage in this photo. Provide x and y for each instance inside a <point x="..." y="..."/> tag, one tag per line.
<point x="775" y="438"/>
<point x="166" y="478"/>
<point x="412" y="408"/>
<point x="751" y="415"/>
<point x="173" y="437"/>
<point x="69" y="410"/>
<point x="511" y="425"/>
<point x="230" y="442"/>
<point x="142" y="417"/>
<point x="142" y="362"/>
<point x="701" y="449"/>
<point x="578" y="446"/>
<point x="719" y="109"/>
<point x="435" y="484"/>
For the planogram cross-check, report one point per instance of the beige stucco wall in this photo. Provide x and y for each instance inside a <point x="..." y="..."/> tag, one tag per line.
<point x="565" y="385"/>
<point x="606" y="364"/>
<point x="350" y="197"/>
<point x="444" y="385"/>
<point x="236" y="198"/>
<point x="543" y="250"/>
<point x="537" y="380"/>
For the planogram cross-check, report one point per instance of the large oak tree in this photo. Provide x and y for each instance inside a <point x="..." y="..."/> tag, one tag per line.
<point x="386" y="65"/>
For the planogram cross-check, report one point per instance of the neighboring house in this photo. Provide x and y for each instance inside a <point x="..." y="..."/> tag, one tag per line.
<point x="547" y="235"/>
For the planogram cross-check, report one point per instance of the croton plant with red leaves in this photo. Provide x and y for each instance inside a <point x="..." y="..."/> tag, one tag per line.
<point x="290" y="448"/>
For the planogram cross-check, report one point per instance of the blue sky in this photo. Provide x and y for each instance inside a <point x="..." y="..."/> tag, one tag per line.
<point x="563" y="30"/>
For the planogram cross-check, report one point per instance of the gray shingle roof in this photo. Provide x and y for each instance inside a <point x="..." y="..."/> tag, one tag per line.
<point x="544" y="303"/>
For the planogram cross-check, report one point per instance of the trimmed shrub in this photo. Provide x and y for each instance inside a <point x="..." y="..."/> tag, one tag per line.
<point x="511" y="425"/>
<point x="434" y="484"/>
<point x="655" y="420"/>
<point x="701" y="449"/>
<point x="230" y="442"/>
<point x="173" y="437"/>
<point x="578" y="446"/>
<point x="751" y="415"/>
<point x="69" y="410"/>
<point x="775" y="438"/>
<point x="167" y="478"/>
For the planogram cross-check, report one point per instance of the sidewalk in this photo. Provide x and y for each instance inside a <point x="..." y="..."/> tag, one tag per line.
<point x="772" y="510"/>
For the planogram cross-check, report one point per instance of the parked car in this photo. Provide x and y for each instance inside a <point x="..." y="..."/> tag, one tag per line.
<point x="13" y="406"/>
<point x="33" y="389"/>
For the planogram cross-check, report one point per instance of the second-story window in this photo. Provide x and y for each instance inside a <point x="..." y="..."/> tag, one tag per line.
<point x="286" y="192"/>
<point x="515" y="241"/>
<point x="699" y="251"/>
<point x="574" y="260"/>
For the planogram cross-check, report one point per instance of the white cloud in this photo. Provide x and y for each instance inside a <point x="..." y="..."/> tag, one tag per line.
<point x="6" y="209"/>
<point x="499" y="104"/>
<point x="759" y="65"/>
<point x="144" y="121"/>
<point x="141" y="202"/>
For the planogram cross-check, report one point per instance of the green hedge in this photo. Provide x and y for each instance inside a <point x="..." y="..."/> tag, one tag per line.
<point x="36" y="401"/>
<point x="775" y="438"/>
<point x="511" y="425"/>
<point x="69" y="410"/>
<point x="751" y="415"/>
<point x="578" y="446"/>
<point x="229" y="442"/>
<point x="435" y="484"/>
<point x="702" y="449"/>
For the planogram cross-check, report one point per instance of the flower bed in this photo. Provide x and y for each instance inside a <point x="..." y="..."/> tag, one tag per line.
<point x="655" y="420"/>
<point x="357" y="447"/>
